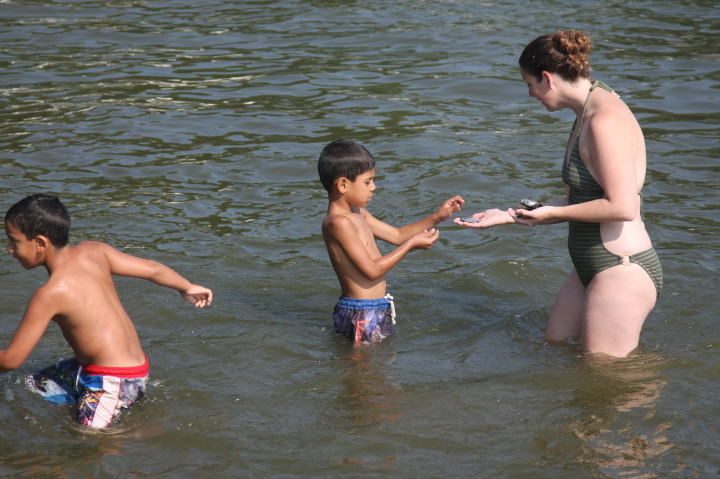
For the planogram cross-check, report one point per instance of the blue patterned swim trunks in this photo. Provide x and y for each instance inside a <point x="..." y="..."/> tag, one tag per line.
<point x="99" y="392"/>
<point x="364" y="320"/>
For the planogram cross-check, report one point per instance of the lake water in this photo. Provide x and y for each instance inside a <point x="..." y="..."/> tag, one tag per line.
<point x="188" y="132"/>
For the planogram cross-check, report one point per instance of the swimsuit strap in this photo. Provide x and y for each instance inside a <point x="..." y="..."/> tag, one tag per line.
<point x="595" y="84"/>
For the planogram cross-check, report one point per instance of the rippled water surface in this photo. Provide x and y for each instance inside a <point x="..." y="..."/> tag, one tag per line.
<point x="188" y="132"/>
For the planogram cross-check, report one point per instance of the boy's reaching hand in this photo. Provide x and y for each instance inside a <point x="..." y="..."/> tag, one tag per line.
<point x="449" y="206"/>
<point x="200" y="296"/>
<point x="425" y="239"/>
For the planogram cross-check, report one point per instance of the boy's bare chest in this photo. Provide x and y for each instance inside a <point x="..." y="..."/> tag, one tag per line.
<point x="366" y="236"/>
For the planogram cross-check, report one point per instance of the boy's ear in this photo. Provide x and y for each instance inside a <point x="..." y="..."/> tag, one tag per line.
<point x="342" y="184"/>
<point x="42" y="243"/>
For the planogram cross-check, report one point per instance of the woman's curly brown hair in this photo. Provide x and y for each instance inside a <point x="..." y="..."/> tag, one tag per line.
<point x="564" y="52"/>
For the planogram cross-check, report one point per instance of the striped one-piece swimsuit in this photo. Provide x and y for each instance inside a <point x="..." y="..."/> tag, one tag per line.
<point x="587" y="251"/>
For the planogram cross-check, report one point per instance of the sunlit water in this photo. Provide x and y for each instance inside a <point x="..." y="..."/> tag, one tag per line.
<point x="189" y="132"/>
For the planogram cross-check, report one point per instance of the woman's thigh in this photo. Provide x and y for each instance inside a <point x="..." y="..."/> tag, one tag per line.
<point x="617" y="302"/>
<point x="566" y="316"/>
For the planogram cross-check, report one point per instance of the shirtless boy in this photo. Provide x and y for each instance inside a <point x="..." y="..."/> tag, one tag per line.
<point x="109" y="370"/>
<point x="364" y="312"/>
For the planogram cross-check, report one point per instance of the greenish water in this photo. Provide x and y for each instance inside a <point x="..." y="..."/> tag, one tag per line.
<point x="189" y="132"/>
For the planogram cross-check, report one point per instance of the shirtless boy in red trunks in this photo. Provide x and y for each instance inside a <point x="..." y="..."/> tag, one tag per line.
<point x="109" y="370"/>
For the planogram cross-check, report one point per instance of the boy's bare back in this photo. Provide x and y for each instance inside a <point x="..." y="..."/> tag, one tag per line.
<point x="81" y="296"/>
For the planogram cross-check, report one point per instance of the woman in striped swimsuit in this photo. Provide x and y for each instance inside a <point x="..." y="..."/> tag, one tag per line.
<point x="617" y="276"/>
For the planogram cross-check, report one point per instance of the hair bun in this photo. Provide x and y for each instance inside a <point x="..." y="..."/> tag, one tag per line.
<point x="572" y="42"/>
<point x="564" y="52"/>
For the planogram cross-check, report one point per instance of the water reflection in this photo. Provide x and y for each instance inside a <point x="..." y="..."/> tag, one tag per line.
<point x="618" y="429"/>
<point x="368" y="399"/>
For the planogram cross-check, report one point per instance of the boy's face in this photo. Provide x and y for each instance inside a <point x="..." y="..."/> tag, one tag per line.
<point x="359" y="192"/>
<point x="23" y="249"/>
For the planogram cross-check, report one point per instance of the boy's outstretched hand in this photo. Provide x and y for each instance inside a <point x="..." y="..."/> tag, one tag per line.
<point x="449" y="206"/>
<point x="425" y="239"/>
<point x="200" y="296"/>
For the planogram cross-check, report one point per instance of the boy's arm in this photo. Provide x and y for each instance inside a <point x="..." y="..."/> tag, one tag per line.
<point x="124" y="264"/>
<point x="39" y="312"/>
<point x="341" y="231"/>
<point x="400" y="235"/>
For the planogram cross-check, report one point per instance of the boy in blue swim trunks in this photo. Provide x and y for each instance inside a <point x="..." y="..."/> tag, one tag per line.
<point x="109" y="370"/>
<point x="364" y="312"/>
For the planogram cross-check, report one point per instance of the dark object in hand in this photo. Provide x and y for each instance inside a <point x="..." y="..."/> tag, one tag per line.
<point x="528" y="205"/>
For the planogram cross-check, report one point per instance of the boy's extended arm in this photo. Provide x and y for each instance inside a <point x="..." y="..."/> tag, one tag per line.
<point x="123" y="264"/>
<point x="31" y="328"/>
<point x="398" y="236"/>
<point x="341" y="232"/>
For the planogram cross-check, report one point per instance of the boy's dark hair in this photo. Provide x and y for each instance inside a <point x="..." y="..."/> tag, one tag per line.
<point x="343" y="158"/>
<point x="41" y="214"/>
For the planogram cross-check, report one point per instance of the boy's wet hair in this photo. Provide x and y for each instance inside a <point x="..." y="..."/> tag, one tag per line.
<point x="41" y="214"/>
<point x="343" y="158"/>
